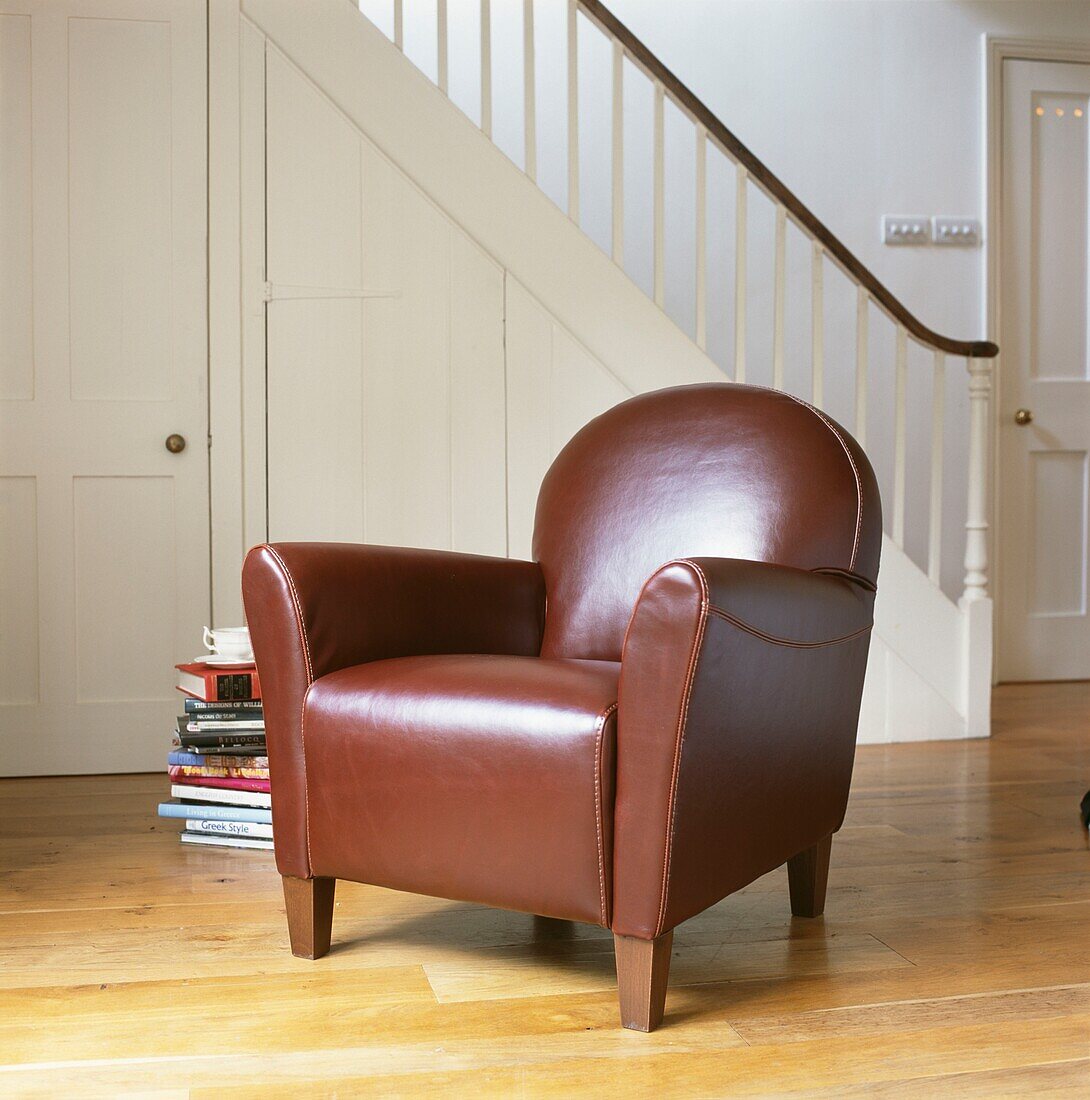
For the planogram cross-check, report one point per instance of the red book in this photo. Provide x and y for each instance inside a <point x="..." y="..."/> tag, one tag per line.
<point x="225" y="784"/>
<point x="219" y="685"/>
<point x="180" y="772"/>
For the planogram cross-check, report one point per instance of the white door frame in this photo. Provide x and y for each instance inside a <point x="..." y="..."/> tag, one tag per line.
<point x="996" y="51"/>
<point x="236" y="370"/>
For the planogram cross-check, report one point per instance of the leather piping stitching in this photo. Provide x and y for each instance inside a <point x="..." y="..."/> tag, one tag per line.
<point x="599" y="738"/>
<point x="793" y="643"/>
<point x="306" y="794"/>
<point x="698" y="638"/>
<point x="855" y="469"/>
<point x="847" y="575"/>
<point x="302" y="626"/>
<point x="297" y="605"/>
<point x="647" y="584"/>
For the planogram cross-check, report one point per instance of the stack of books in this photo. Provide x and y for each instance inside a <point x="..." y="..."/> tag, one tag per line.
<point x="218" y="767"/>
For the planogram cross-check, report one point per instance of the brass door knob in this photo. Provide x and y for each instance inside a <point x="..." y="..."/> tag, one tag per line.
<point x="1023" y="417"/>
<point x="175" y="443"/>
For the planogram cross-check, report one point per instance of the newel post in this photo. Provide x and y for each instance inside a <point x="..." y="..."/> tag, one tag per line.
<point x="976" y="519"/>
<point x="975" y="602"/>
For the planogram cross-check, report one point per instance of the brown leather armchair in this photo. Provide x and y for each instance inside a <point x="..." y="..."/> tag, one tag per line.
<point x="657" y="710"/>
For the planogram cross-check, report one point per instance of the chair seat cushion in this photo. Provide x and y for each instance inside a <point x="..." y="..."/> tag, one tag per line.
<point x="479" y="778"/>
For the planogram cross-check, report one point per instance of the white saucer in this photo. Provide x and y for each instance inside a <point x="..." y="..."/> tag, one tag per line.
<point x="213" y="661"/>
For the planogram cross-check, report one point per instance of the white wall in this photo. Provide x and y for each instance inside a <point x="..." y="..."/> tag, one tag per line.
<point x="862" y="108"/>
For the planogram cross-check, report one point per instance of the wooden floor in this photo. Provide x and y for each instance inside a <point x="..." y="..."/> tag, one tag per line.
<point x="954" y="957"/>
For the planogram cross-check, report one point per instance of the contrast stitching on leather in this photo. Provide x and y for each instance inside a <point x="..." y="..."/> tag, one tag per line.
<point x="846" y="574"/>
<point x="683" y="717"/>
<point x="647" y="584"/>
<point x="301" y="625"/>
<point x="299" y="621"/>
<point x="603" y="720"/>
<point x="306" y="792"/>
<point x="749" y="628"/>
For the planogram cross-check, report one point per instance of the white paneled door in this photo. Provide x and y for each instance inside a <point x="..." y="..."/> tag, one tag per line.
<point x="1044" y="435"/>
<point x="104" y="552"/>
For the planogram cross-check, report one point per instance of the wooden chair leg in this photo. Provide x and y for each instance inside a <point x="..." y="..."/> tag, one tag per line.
<point x="643" y="969"/>
<point x="309" y="904"/>
<point x="808" y="875"/>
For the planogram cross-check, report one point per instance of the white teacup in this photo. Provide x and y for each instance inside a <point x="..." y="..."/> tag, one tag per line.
<point x="232" y="643"/>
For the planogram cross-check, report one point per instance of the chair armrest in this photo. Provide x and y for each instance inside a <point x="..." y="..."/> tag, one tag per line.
<point x="314" y="608"/>
<point x="739" y="700"/>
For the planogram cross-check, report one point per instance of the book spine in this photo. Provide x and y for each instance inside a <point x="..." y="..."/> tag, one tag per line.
<point x="227" y="828"/>
<point x="224" y="796"/>
<point x="211" y="811"/>
<point x="210" y="720"/>
<point x="216" y="760"/>
<point x="183" y="772"/>
<point x="205" y="708"/>
<point x="216" y="686"/>
<point x="204" y="741"/>
<point x="221" y="726"/>
<point x="225" y="841"/>
<point x="222" y="783"/>
<point x="211" y="771"/>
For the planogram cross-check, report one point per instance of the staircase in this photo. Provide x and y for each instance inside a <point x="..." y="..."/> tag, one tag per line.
<point x="567" y="322"/>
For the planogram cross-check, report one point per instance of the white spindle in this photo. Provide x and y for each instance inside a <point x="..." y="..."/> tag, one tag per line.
<point x="660" y="195"/>
<point x="900" y="418"/>
<point x="938" y="397"/>
<point x="976" y="523"/>
<point x="442" y="48"/>
<point x="862" y="316"/>
<point x="817" y="324"/>
<point x="741" y="187"/>
<point x="529" y="123"/>
<point x="399" y="25"/>
<point x="486" y="67"/>
<point x="701" y="285"/>
<point x="618" y="152"/>
<point x="573" y="111"/>
<point x="778" y="299"/>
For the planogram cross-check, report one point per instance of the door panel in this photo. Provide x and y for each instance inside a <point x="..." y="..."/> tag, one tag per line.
<point x="1044" y="536"/>
<point x="16" y="271"/>
<point x="104" y="551"/>
<point x="119" y="201"/>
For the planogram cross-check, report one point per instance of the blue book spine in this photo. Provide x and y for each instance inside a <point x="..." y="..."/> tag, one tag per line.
<point x="186" y="759"/>
<point x="211" y="812"/>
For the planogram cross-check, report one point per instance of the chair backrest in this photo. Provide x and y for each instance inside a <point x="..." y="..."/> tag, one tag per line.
<point x="716" y="470"/>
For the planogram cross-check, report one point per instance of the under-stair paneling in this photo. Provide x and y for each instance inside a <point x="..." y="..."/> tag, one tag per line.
<point x="407" y="363"/>
<point x="478" y="417"/>
<point x="554" y="386"/>
<point x="385" y="344"/>
<point x="315" y="442"/>
<point x="315" y="449"/>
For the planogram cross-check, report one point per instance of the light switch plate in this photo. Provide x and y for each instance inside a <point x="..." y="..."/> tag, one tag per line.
<point x="962" y="232"/>
<point x="905" y="229"/>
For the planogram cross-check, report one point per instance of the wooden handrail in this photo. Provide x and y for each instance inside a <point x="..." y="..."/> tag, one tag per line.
<point x="773" y="186"/>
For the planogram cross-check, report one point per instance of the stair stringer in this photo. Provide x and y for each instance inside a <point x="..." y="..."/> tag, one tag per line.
<point x="919" y="677"/>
